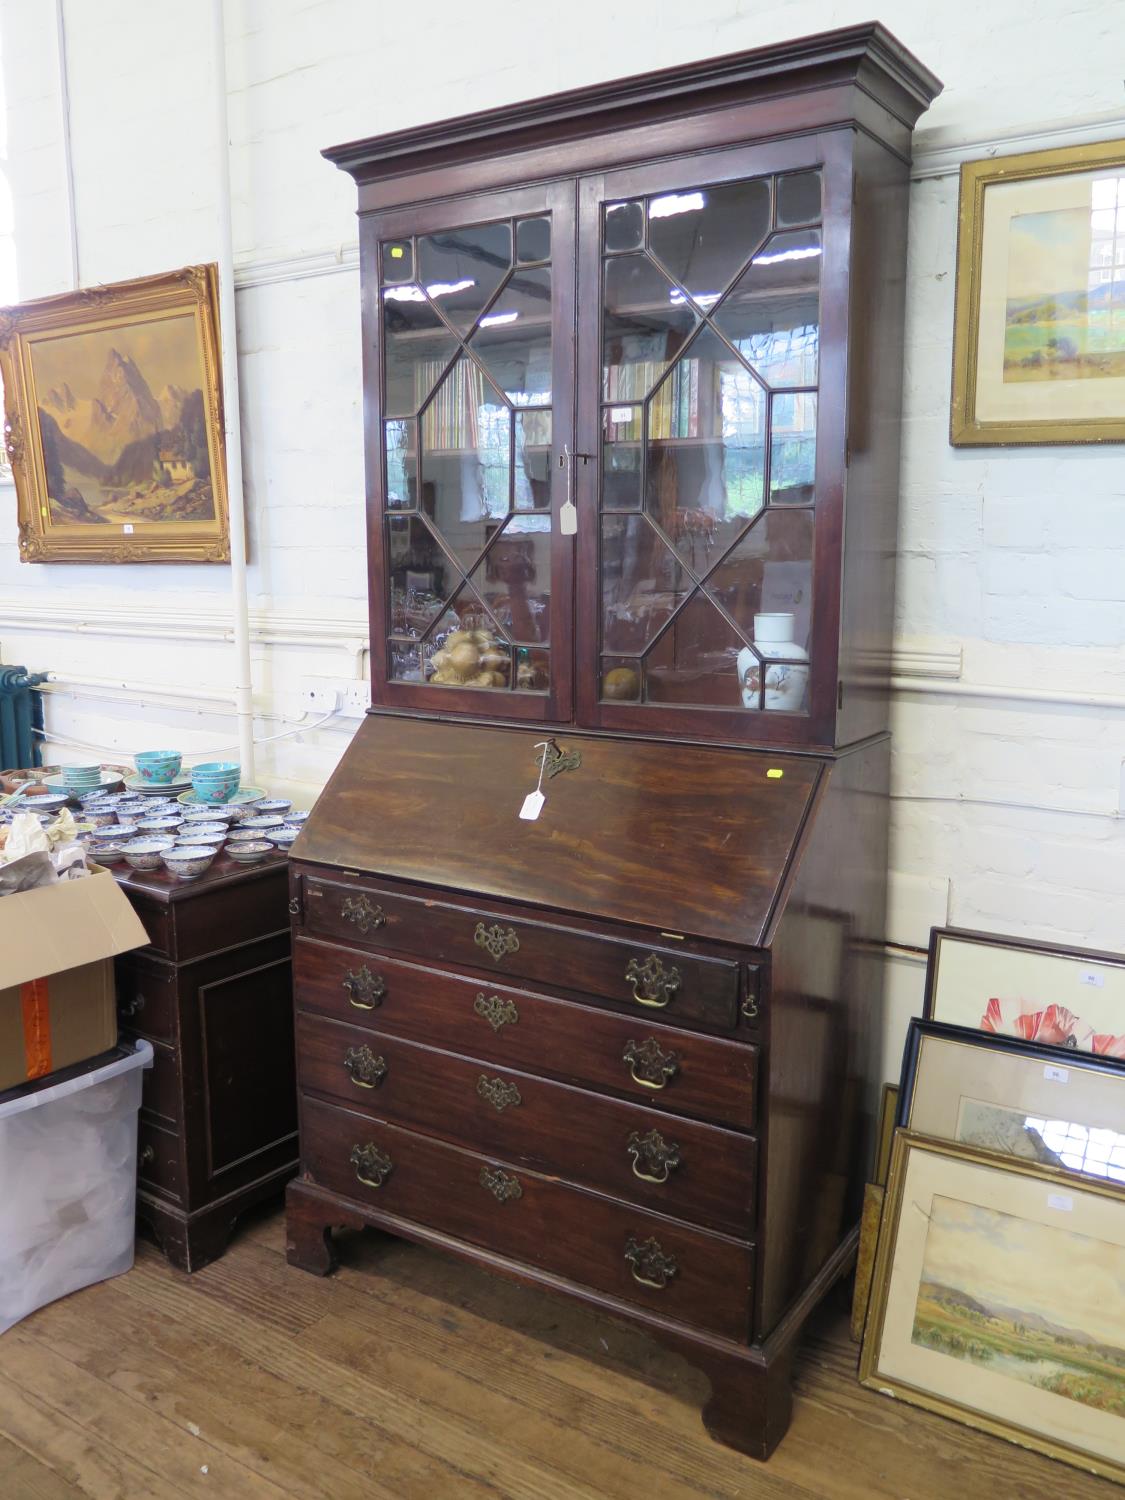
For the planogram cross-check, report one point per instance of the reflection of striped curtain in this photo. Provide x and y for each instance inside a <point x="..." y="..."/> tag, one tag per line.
<point x="451" y="419"/>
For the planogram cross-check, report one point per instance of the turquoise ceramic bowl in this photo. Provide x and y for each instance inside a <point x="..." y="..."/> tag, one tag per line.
<point x="158" y="767"/>
<point x="216" y="780"/>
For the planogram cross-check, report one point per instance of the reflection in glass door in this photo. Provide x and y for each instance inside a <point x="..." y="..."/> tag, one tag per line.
<point x="710" y="343"/>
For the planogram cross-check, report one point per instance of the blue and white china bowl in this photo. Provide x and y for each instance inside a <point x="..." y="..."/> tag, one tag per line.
<point x="202" y="833"/>
<point x="282" y="836"/>
<point x="158" y="767"/>
<point x="146" y="854"/>
<point x="248" y="851"/>
<point x="270" y="805"/>
<point x="220" y="814"/>
<point x="189" y="861"/>
<point x="46" y="802"/>
<point x="262" y="821"/>
<point x="240" y="834"/>
<point x="158" y="826"/>
<point x="297" y="817"/>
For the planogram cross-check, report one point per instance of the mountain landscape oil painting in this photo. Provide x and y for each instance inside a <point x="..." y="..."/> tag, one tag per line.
<point x="114" y="410"/>
<point x="1029" y="1301"/>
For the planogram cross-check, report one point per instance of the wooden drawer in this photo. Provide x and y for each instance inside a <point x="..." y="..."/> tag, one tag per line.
<point x="707" y="1279"/>
<point x="659" y="1066"/>
<point x="146" y="997"/>
<point x="158" y="1161"/>
<point x="673" y="984"/>
<point x="160" y="1096"/>
<point x="675" y="1166"/>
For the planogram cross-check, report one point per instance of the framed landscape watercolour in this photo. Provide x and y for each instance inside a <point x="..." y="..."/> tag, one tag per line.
<point x="999" y="1300"/>
<point x="1039" y="337"/>
<point x="1066" y="997"/>
<point x="997" y="1093"/>
<point x="114" y="422"/>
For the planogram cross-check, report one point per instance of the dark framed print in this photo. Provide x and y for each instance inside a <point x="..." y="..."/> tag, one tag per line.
<point x="1039" y="992"/>
<point x="999" y="1300"/>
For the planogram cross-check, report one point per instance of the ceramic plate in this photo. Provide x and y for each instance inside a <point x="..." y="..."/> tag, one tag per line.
<point x="110" y="780"/>
<point x="244" y="795"/>
<point x="153" y="789"/>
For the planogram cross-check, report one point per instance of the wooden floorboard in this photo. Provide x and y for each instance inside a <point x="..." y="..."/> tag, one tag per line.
<point x="410" y="1376"/>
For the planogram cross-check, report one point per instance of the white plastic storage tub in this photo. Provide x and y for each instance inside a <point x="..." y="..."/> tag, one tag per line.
<point x="68" y="1184"/>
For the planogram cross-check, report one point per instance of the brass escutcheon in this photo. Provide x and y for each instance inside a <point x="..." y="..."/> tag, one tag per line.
<point x="496" y="940"/>
<point x="651" y="1067"/>
<point x="556" y="760"/>
<point x="365" y="990"/>
<point x="495" y="1011"/>
<point x="502" y="1185"/>
<point x="649" y="1264"/>
<point x="365" y="1069"/>
<point x="653" y="1157"/>
<point x="372" y="1166"/>
<point x="359" y="911"/>
<point x="498" y="1093"/>
<point x="653" y="984"/>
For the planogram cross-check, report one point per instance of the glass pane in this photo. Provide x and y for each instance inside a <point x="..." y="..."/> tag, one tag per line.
<point x="533" y="670"/>
<point x="769" y="571"/>
<point x="402" y="465"/>
<point x="398" y="261"/>
<point x="775" y="674"/>
<point x="621" y="680"/>
<point x="533" y="460"/>
<point x="646" y="324"/>
<point x="623" y="429"/>
<point x="514" y="580"/>
<point x="793" y="449"/>
<point x="642" y="583"/>
<point x="404" y="661"/>
<point x="624" y="226"/>
<point x="513" y="339"/>
<point x="798" y="198"/>
<point x="465" y="462"/>
<point x="418" y="347"/>
<point x="703" y="237"/>
<point x="772" y="314"/>
<point x="706" y="451"/>
<point x="533" y="240"/>
<point x="462" y="268"/>
<point x="695" y="660"/>
<point x="422" y="577"/>
<point x="466" y="648"/>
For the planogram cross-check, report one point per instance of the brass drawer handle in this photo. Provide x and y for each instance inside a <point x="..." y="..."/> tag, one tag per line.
<point x="654" y="1159"/>
<point x="365" y="1069"/>
<point x="653" y="984"/>
<point x="496" y="940"/>
<point x="372" y="1166"/>
<point x="502" y="1185"/>
<point x="649" y="1065"/>
<point x="649" y="1264"/>
<point x="148" y="1154"/>
<point x="495" y="1011"/>
<point x="294" y="906"/>
<point x="750" y="1007"/>
<point x="365" y="990"/>
<point x="359" y="911"/>
<point x="498" y="1093"/>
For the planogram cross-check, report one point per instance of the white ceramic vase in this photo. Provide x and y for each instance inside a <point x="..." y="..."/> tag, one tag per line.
<point x="787" y="681"/>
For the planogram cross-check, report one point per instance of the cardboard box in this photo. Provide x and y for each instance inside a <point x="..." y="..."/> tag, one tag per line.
<point x="57" y="999"/>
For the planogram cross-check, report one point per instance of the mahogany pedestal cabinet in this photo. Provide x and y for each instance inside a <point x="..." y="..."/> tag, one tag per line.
<point x="585" y="923"/>
<point x="212" y="992"/>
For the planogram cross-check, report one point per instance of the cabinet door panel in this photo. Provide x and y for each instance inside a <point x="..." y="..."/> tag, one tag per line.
<point x="469" y="340"/>
<point x="711" y="324"/>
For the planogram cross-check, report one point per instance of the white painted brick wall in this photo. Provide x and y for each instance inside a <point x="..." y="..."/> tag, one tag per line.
<point x="1018" y="556"/>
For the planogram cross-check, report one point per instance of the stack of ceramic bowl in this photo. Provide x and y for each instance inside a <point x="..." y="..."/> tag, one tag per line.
<point x="157" y="767"/>
<point x="106" y="845"/>
<point x="216" y="780"/>
<point x="78" y="780"/>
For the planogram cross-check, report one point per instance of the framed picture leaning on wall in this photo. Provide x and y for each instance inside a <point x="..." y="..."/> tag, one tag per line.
<point x="1039" y="336"/>
<point x="1040" y="992"/>
<point x="114" y="417"/>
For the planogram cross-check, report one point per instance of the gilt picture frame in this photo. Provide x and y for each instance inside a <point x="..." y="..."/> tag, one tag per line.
<point x="1040" y="992"/>
<point x="114" y="422"/>
<point x="997" y="1300"/>
<point x="1039" y="327"/>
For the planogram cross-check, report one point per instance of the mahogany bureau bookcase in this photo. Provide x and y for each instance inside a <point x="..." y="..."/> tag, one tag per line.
<point x="632" y="375"/>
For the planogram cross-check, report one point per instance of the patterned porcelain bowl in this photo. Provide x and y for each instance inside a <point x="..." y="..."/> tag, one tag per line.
<point x="157" y="828"/>
<point x="211" y="815"/>
<point x="131" y="817"/>
<point x="271" y="805"/>
<point x="158" y="767"/>
<point x="240" y="834"/>
<point x="48" y="802"/>
<point x="189" y="861"/>
<point x="282" y="836"/>
<point x="146" y="854"/>
<point x="297" y="817"/>
<point x="100" y="817"/>
<point x="107" y="854"/>
<point x="249" y="851"/>
<point x="202" y="833"/>
<point x="216" y="780"/>
<point x="261" y="821"/>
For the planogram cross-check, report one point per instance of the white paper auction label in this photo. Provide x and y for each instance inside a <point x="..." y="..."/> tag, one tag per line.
<point x="1090" y="976"/>
<point x="1061" y="1201"/>
<point x="1055" y="1074"/>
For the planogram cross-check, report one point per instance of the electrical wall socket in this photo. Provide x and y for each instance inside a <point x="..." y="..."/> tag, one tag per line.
<point x="319" y="697"/>
<point x="355" y="700"/>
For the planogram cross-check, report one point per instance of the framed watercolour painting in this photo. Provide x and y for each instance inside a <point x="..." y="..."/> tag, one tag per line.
<point x="997" y="1093"/>
<point x="999" y="1300"/>
<point x="1066" y="997"/>
<point x="114" y="422"/>
<point x="1039" y="336"/>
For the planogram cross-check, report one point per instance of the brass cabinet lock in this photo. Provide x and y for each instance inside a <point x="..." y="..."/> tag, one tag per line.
<point x="502" y="1185"/>
<point x="496" y="940"/>
<point x="364" y="917"/>
<point x="498" y="1093"/>
<point x="495" y="1011"/>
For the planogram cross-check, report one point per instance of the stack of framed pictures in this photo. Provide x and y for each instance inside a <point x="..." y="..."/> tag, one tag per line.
<point x="998" y="1285"/>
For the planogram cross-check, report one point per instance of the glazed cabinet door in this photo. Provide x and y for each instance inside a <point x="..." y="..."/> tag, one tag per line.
<point x="468" y="345"/>
<point x="712" y="322"/>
